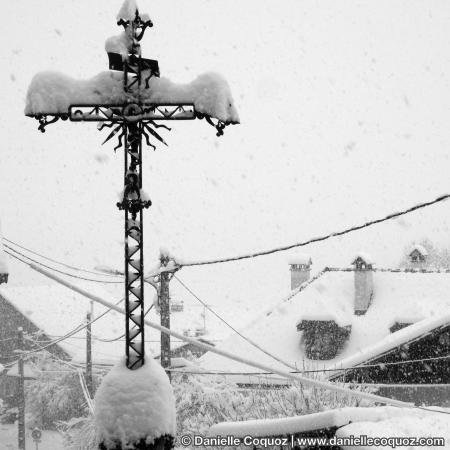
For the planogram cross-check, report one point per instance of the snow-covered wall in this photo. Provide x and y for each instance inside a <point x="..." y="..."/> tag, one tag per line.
<point x="53" y="93"/>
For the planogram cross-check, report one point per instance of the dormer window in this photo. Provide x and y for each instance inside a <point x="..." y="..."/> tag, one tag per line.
<point x="323" y="339"/>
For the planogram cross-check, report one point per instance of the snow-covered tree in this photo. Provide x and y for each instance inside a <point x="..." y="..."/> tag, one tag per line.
<point x="202" y="401"/>
<point x="56" y="395"/>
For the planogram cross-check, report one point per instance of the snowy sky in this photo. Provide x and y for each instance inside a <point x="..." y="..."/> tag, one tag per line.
<point x="345" y="117"/>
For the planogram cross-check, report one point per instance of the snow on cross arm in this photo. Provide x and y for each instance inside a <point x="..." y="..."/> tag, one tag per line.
<point x="53" y="93"/>
<point x="131" y="405"/>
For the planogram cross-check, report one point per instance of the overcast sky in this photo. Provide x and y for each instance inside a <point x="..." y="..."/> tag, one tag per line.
<point x="345" y="117"/>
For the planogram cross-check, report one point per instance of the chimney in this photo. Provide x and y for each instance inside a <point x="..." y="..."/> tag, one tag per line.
<point x="363" y="283"/>
<point x="300" y="269"/>
<point x="418" y="257"/>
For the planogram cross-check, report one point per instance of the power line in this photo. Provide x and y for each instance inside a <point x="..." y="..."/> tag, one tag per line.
<point x="8" y="339"/>
<point x="368" y="366"/>
<point x="76" y="330"/>
<point x="226" y="354"/>
<point x="54" y="269"/>
<point x="79" y="269"/>
<point x="100" y="339"/>
<point x="251" y="342"/>
<point x="295" y="377"/>
<point x="146" y="279"/>
<point x="389" y="270"/>
<point x="247" y="339"/>
<point x="321" y="238"/>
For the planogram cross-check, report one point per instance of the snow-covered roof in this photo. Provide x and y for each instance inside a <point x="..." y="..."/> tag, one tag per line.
<point x="396" y="339"/>
<point x="374" y="422"/>
<point x="56" y="310"/>
<point x="53" y="93"/>
<point x="398" y="297"/>
<point x="419" y="248"/>
<point x="300" y="258"/>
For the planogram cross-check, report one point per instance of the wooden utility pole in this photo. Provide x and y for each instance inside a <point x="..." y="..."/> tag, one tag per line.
<point x="21" y="393"/>
<point x="164" y="309"/>
<point x="88" y="376"/>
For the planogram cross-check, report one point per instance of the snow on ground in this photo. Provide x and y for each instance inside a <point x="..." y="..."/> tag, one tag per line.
<point x="374" y="422"/>
<point x="301" y="424"/>
<point x="53" y="93"/>
<point x="51" y="440"/>
<point x="417" y="424"/>
<point x="136" y="404"/>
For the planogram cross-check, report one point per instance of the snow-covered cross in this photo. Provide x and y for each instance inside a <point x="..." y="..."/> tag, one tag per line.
<point x="131" y="99"/>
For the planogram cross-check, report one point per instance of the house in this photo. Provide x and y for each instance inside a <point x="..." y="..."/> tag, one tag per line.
<point x="344" y="318"/>
<point x="46" y="313"/>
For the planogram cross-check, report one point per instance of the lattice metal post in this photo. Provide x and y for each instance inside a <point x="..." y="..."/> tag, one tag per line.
<point x="134" y="250"/>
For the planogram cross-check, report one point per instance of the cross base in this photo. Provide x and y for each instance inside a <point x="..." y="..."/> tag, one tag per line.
<point x="165" y="442"/>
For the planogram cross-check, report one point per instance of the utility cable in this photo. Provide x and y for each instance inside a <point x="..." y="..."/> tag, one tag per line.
<point x="321" y="238"/>
<point x="368" y="366"/>
<point x="247" y="339"/>
<point x="68" y="266"/>
<point x="9" y="249"/>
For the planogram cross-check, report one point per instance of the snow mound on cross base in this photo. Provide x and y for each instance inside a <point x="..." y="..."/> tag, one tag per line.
<point x="53" y="93"/>
<point x="131" y="405"/>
